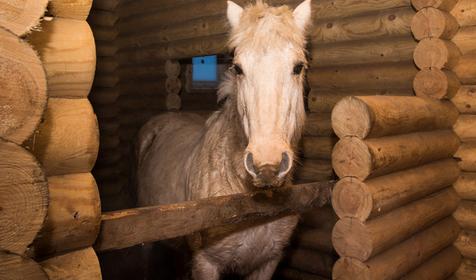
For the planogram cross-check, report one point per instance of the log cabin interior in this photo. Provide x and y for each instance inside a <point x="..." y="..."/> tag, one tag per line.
<point x="391" y="123"/>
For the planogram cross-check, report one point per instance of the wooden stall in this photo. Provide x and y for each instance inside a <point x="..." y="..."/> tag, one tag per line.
<point x="391" y="117"/>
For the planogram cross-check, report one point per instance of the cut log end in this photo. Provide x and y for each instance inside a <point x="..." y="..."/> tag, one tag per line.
<point x="351" y="157"/>
<point x="350" y="269"/>
<point x="351" y="238"/>
<point x="436" y="53"/>
<point x="351" y="199"/>
<point x="433" y="23"/>
<point x="18" y="267"/>
<point x="445" y="5"/>
<point x="21" y="16"/>
<point x="23" y="89"/>
<point x="70" y="9"/>
<point x="344" y="118"/>
<point x="436" y="83"/>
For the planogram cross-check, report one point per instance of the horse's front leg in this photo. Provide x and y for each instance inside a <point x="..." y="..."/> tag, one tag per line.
<point x="264" y="272"/>
<point x="203" y="269"/>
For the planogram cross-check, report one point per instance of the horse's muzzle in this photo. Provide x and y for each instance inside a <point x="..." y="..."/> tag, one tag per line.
<point x="268" y="175"/>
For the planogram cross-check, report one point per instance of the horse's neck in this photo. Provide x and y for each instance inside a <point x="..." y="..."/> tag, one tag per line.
<point x="221" y="155"/>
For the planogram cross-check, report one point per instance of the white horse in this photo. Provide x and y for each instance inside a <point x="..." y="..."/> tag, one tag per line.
<point x="250" y="143"/>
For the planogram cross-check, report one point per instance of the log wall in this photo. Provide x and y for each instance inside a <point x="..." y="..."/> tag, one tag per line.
<point x="395" y="198"/>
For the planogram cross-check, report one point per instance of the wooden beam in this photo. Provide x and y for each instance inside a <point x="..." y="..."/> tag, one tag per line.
<point x="126" y="228"/>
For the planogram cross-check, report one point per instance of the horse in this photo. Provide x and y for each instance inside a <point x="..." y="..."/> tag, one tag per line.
<point x="249" y="144"/>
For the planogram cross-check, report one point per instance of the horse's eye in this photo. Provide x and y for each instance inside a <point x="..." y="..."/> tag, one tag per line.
<point x="298" y="68"/>
<point x="237" y="69"/>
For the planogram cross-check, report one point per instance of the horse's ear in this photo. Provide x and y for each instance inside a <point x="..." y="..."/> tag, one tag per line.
<point x="233" y="13"/>
<point x="302" y="14"/>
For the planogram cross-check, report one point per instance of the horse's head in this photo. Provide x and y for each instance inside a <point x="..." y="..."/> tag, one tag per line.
<point x="269" y="65"/>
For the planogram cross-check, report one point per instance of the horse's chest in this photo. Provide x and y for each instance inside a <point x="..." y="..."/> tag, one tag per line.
<point x="246" y="249"/>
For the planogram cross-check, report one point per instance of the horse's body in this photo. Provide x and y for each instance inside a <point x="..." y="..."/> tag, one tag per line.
<point x="183" y="157"/>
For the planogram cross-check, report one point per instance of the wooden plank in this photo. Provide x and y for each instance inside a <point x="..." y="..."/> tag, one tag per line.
<point x="126" y="228"/>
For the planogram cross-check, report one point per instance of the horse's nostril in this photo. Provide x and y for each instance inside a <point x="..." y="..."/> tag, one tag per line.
<point x="249" y="164"/>
<point x="285" y="165"/>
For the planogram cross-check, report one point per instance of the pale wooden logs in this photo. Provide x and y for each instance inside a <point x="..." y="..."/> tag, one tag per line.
<point x="441" y="266"/>
<point x="79" y="265"/>
<point x="130" y="227"/>
<point x="466" y="243"/>
<point x="378" y="156"/>
<point x="68" y="139"/>
<point x="67" y="49"/>
<point x="465" y="39"/>
<point x="313" y="170"/>
<point x="356" y="77"/>
<point x="323" y="101"/>
<point x="465" y="127"/>
<point x="311" y="261"/>
<point x="352" y="238"/>
<point x="465" y="100"/>
<point x="318" y="125"/>
<point x="318" y="147"/>
<point x="402" y="258"/>
<point x="376" y="116"/>
<point x="465" y="69"/>
<point x="363" y="52"/>
<point x="23" y="195"/>
<point x="445" y="5"/>
<point x="13" y="266"/>
<point x="362" y="200"/>
<point x="21" y="16"/>
<point x="76" y="9"/>
<point x="465" y="185"/>
<point x="23" y="88"/>
<point x="466" y="214"/>
<point x="464" y="12"/>
<point x="434" y="23"/>
<point x="467" y="270"/>
<point x="74" y="214"/>
<point x="436" y="83"/>
<point x="467" y="155"/>
<point x="436" y="53"/>
<point x="384" y="23"/>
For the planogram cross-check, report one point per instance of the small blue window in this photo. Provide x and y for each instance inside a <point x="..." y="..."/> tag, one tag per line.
<point x="204" y="68"/>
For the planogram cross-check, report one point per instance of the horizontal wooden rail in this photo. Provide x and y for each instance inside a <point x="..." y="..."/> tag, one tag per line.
<point x="126" y="228"/>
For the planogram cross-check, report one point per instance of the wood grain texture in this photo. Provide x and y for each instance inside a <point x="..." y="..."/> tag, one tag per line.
<point x="313" y="170"/>
<point x="23" y="196"/>
<point x="74" y="215"/>
<point x="445" y="5"/>
<point x="464" y="186"/>
<point x="318" y="125"/>
<point x="440" y="266"/>
<point x="21" y="16"/>
<point x="465" y="100"/>
<point x="436" y="53"/>
<point x="318" y="147"/>
<point x="377" y="116"/>
<point x="464" y="11"/>
<point x="81" y="265"/>
<point x="465" y="215"/>
<point x="353" y="198"/>
<point x="378" y="156"/>
<point x="68" y="138"/>
<point x="75" y="9"/>
<point x="436" y="83"/>
<point x="466" y="243"/>
<point x="465" y="128"/>
<point x="362" y="241"/>
<point x="67" y="49"/>
<point x="467" y="156"/>
<point x="434" y="23"/>
<point x="15" y="266"/>
<point x="402" y="258"/>
<point x="467" y="270"/>
<point x="126" y="228"/>
<point x="23" y="88"/>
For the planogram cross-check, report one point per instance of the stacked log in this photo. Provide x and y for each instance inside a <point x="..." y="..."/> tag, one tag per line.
<point x="446" y="54"/>
<point x="104" y="97"/>
<point x="66" y="143"/>
<point x="394" y="197"/>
